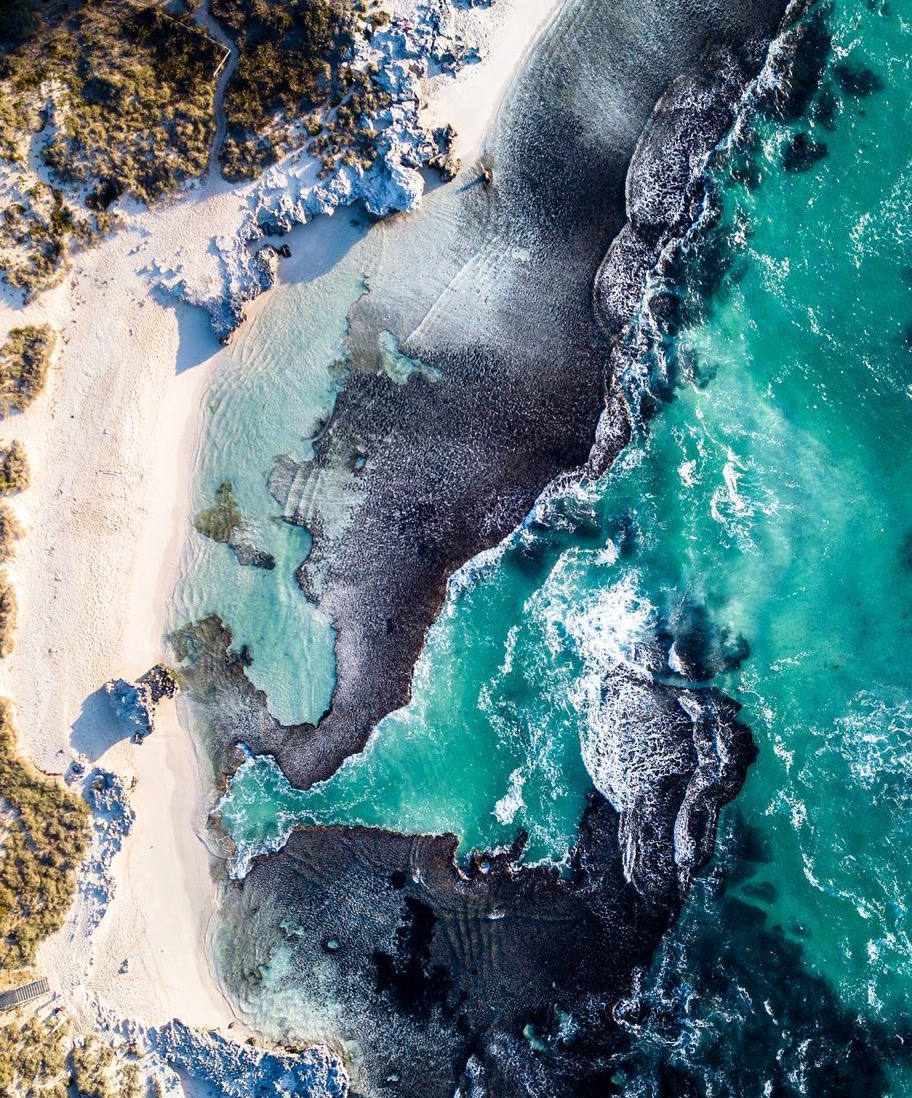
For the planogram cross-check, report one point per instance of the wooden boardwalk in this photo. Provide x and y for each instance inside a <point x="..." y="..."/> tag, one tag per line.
<point x="24" y="994"/>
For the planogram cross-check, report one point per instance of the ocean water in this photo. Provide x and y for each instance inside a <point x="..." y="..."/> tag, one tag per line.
<point x="764" y="513"/>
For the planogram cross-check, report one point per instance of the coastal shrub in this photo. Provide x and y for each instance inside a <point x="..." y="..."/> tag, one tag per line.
<point x="99" y="1072"/>
<point x="45" y="834"/>
<point x="33" y="1058"/>
<point x="14" y="469"/>
<point x="10" y="532"/>
<point x="9" y="612"/>
<point x="24" y="361"/>
<point x="134" y="87"/>
<point x="294" y="63"/>
<point x="39" y="1058"/>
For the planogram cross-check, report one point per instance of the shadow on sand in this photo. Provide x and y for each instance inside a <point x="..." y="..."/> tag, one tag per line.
<point x="97" y="728"/>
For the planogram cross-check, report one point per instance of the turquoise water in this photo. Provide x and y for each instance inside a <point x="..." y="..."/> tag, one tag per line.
<point x="267" y="400"/>
<point x="771" y="500"/>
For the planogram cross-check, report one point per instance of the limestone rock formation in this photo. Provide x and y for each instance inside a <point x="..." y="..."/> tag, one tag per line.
<point x="135" y="702"/>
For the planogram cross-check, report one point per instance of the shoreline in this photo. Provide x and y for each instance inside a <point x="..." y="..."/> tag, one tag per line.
<point x="113" y="443"/>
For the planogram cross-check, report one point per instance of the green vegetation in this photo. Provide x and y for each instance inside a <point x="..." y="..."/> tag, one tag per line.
<point x="10" y="532"/>
<point x="35" y="234"/>
<point x="24" y="361"/>
<point x="121" y="93"/>
<point x="38" y="1059"/>
<point x="33" y="1059"/>
<point x="9" y="614"/>
<point x="14" y="477"/>
<point x="14" y="469"/>
<point x="45" y="833"/>
<point x="295" y="63"/>
<point x="223" y="521"/>
<point x="131" y="90"/>
<point x="98" y="1071"/>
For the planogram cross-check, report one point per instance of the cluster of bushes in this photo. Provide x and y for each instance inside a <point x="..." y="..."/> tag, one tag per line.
<point x="24" y="361"/>
<point x="137" y="112"/>
<point x="10" y="532"/>
<point x="45" y="837"/>
<point x="14" y="469"/>
<point x="32" y="1059"/>
<point x="98" y="1071"/>
<point x="14" y="477"/>
<point x="134" y="103"/>
<point x="134" y="106"/>
<point x="38" y="1058"/>
<point x="35" y="234"/>
<point x="294" y="63"/>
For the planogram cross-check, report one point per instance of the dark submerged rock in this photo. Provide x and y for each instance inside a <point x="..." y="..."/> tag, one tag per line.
<point x="856" y="79"/>
<point x="802" y="153"/>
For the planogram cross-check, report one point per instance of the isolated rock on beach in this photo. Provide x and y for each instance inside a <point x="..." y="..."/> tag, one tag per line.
<point x="135" y="702"/>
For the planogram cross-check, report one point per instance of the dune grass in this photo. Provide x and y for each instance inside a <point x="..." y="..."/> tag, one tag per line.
<point x="44" y="835"/>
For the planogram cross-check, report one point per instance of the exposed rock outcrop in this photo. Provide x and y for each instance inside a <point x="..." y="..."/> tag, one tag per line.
<point x="667" y="759"/>
<point x="135" y="703"/>
<point x="225" y="1068"/>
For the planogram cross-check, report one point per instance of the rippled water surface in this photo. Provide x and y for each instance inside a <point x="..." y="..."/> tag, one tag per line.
<point x="765" y="513"/>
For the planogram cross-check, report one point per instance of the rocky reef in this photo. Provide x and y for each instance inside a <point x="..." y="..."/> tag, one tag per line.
<point x="494" y="978"/>
<point x="409" y="481"/>
<point x="668" y="760"/>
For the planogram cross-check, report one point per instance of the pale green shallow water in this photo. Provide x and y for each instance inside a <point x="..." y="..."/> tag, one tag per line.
<point x="775" y="493"/>
<point x="267" y="400"/>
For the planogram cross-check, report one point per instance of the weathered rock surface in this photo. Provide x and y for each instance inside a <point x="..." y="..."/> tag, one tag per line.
<point x="667" y="759"/>
<point x="228" y="1069"/>
<point x="135" y="703"/>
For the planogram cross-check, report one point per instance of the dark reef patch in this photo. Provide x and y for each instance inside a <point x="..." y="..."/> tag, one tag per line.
<point x="455" y="974"/>
<point x="856" y="79"/>
<point x="506" y="973"/>
<point x="801" y="153"/>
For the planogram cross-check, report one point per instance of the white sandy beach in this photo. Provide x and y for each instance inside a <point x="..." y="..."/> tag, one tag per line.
<point x="112" y="445"/>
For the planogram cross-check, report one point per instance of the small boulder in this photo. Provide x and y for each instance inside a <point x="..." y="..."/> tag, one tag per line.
<point x="135" y="702"/>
